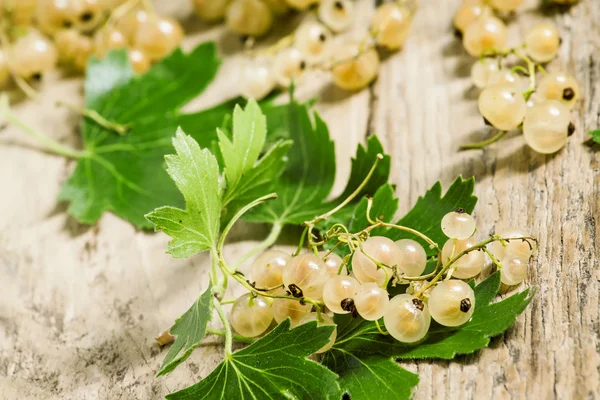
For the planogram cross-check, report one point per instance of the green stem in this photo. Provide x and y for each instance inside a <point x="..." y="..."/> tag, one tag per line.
<point x="269" y="241"/>
<point x="483" y="143"/>
<point x="235" y="337"/>
<point x="50" y="144"/>
<point x="96" y="117"/>
<point x="227" y="327"/>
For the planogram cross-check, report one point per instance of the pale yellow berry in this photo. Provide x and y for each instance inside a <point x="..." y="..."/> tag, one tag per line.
<point x="502" y="106"/>
<point x="506" y="5"/>
<point x="157" y="37"/>
<point x="506" y="76"/>
<point x="353" y="68"/>
<point x="210" y="10"/>
<point x="516" y="247"/>
<point x="107" y="40"/>
<point x="468" y="265"/>
<point x="414" y="258"/>
<point x="338" y="289"/>
<point x="288" y="66"/>
<point x="546" y="126"/>
<point x="407" y="318"/>
<point x="390" y="25"/>
<point x="542" y="42"/>
<point x="484" y="35"/>
<point x="469" y="13"/>
<point x="559" y="86"/>
<point x="249" y="17"/>
<point x="482" y="70"/>
<point x="380" y="249"/>
<point x="333" y="263"/>
<point x="32" y="55"/>
<point x="514" y="270"/>
<point x="251" y="316"/>
<point x="308" y="273"/>
<point x="336" y="14"/>
<point x="256" y="79"/>
<point x="139" y="61"/>
<point x="289" y="308"/>
<point x="458" y="225"/>
<point x="451" y="303"/>
<point x="311" y="39"/>
<point x="371" y="301"/>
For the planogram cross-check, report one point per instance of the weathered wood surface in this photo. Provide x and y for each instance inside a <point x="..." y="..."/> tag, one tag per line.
<point x="79" y="305"/>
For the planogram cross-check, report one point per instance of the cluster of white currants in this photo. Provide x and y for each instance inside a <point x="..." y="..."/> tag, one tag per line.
<point x="313" y="281"/>
<point x="352" y="64"/>
<point x="511" y="98"/>
<point x="38" y="34"/>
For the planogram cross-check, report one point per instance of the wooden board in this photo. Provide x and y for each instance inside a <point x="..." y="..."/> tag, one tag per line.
<point x="80" y="305"/>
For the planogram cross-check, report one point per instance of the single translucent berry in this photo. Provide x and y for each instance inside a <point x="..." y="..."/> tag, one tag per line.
<point x="516" y="247"/>
<point x="468" y="265"/>
<point x="157" y="37"/>
<point x="288" y="66"/>
<point x="352" y="68"/>
<point x="311" y="39"/>
<point x="413" y="257"/>
<point x="407" y="318"/>
<point x="542" y="42"/>
<point x="86" y="15"/>
<point x="458" y="225"/>
<point x="139" y="61"/>
<point x="380" y="249"/>
<point x="486" y="34"/>
<point x="249" y="17"/>
<point x="32" y="55"/>
<point x="251" y="316"/>
<point x="339" y="292"/>
<point x="106" y="40"/>
<point x="325" y="320"/>
<point x="256" y="80"/>
<point x="469" y="13"/>
<point x="482" y="70"/>
<point x="502" y="106"/>
<point x="514" y="270"/>
<point x="559" y="86"/>
<point x="371" y="301"/>
<point x="308" y="273"/>
<point x="451" y="303"/>
<point x="507" y="77"/>
<point x="546" y="126"/>
<point x="336" y="14"/>
<point x="288" y="308"/>
<point x="267" y="268"/>
<point x="390" y="25"/>
<point x="333" y="262"/>
<point x="129" y="24"/>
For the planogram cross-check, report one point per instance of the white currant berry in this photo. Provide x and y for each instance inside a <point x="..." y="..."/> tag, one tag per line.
<point x="139" y="61"/>
<point x="325" y="320"/>
<point x="469" y="13"/>
<point x="311" y="39"/>
<point x="378" y="248"/>
<point x="250" y="316"/>
<point x="514" y="270"/>
<point x="53" y="15"/>
<point x="467" y="266"/>
<point x="547" y="126"/>
<point x="333" y="263"/>
<point x="371" y="301"/>
<point x="506" y="5"/>
<point x="407" y="318"/>
<point x="502" y="106"/>
<point x="542" y="42"/>
<point x="129" y="24"/>
<point x="301" y="4"/>
<point x="288" y="308"/>
<point x="73" y="47"/>
<point x="486" y="34"/>
<point x="4" y="69"/>
<point x="451" y="303"/>
<point x="21" y="12"/>
<point x="249" y="17"/>
<point x="32" y="55"/>
<point x="482" y="70"/>
<point x="106" y="40"/>
<point x="559" y="86"/>
<point x="288" y="66"/>
<point x="267" y="268"/>
<point x="255" y="79"/>
<point x="517" y="247"/>
<point x="508" y="77"/>
<point x="157" y="37"/>
<point x="353" y="68"/>
<point x="458" y="224"/>
<point x="413" y="257"/>
<point x="339" y="292"/>
<point x="336" y="14"/>
<point x="390" y="25"/>
<point x="308" y="273"/>
<point x="210" y="10"/>
<point x="85" y="14"/>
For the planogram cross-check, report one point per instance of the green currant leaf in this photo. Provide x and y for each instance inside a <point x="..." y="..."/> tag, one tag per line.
<point x="273" y="367"/>
<point x="195" y="171"/>
<point x="489" y="319"/>
<point x="125" y="174"/>
<point x="189" y="330"/>
<point x="310" y="173"/>
<point x="365" y="376"/>
<point x="595" y="135"/>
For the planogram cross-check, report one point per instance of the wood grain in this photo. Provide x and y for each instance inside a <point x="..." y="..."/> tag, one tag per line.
<point x="79" y="305"/>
